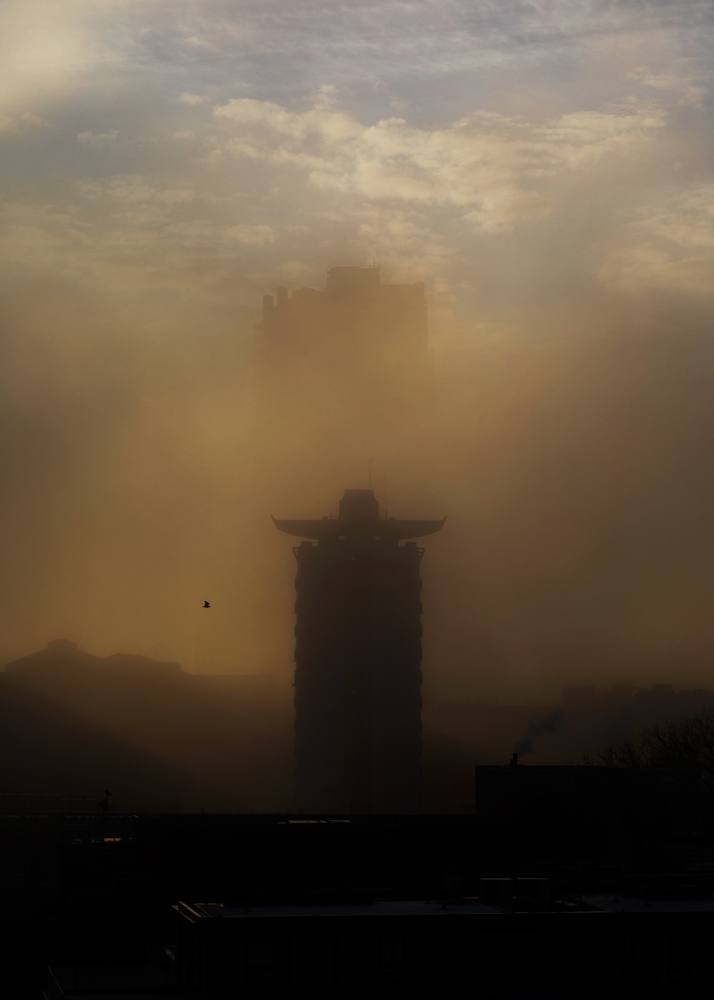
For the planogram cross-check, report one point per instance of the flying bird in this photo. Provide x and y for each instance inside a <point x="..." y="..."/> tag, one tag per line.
<point x="206" y="604"/>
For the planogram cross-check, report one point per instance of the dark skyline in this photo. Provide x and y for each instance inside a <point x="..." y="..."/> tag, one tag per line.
<point x="482" y="236"/>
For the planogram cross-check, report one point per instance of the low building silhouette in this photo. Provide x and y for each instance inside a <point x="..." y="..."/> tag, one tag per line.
<point x="63" y="653"/>
<point x="569" y="814"/>
<point x="358" y="659"/>
<point x="159" y="738"/>
<point x="277" y="902"/>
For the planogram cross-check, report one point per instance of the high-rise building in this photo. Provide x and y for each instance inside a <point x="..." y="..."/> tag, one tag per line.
<point x="358" y="659"/>
<point x="356" y="336"/>
<point x="355" y="310"/>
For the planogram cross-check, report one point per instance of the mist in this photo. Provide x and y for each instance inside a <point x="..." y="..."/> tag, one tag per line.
<point x="547" y="174"/>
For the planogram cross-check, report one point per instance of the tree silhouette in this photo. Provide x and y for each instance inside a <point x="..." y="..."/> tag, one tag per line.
<point x="682" y="750"/>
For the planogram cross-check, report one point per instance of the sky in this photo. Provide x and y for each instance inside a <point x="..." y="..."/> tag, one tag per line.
<point x="545" y="168"/>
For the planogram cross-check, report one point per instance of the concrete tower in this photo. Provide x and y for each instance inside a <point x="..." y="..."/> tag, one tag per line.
<point x="354" y="312"/>
<point x="357" y="340"/>
<point x="358" y="660"/>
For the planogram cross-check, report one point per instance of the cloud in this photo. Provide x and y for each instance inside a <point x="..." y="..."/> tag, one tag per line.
<point x="42" y="50"/>
<point x="134" y="188"/>
<point x="503" y="208"/>
<point x="98" y="141"/>
<point x="487" y="161"/>
<point x="28" y="119"/>
<point x="299" y="46"/>
<point x="192" y="99"/>
<point x="689" y="93"/>
<point x="125" y="229"/>
<point x="670" y="247"/>
<point x="251" y="235"/>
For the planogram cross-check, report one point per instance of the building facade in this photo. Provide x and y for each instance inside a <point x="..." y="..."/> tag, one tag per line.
<point x="358" y="342"/>
<point x="355" y="311"/>
<point x="358" y="659"/>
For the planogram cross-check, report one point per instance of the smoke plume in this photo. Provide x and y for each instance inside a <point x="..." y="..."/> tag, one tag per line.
<point x="552" y="723"/>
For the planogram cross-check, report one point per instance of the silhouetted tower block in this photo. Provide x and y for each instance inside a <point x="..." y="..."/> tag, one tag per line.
<point x="354" y="309"/>
<point x="358" y="659"/>
<point x="368" y="337"/>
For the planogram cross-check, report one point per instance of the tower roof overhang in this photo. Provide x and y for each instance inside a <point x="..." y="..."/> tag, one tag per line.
<point x="332" y="529"/>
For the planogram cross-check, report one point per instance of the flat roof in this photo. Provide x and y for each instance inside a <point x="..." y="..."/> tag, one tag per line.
<point x="626" y="904"/>
<point x="600" y="904"/>
<point x="381" y="909"/>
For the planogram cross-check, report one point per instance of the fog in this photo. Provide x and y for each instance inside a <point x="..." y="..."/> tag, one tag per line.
<point x="547" y="174"/>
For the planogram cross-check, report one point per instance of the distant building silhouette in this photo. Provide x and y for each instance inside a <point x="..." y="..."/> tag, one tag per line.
<point x="368" y="338"/>
<point x="62" y="653"/>
<point x="355" y="308"/>
<point x="358" y="660"/>
<point x="72" y="724"/>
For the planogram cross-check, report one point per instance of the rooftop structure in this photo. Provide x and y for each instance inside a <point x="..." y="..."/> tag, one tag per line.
<point x="359" y="516"/>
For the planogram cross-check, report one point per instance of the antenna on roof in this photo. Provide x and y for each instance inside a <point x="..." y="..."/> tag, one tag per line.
<point x="369" y="471"/>
<point x="385" y="494"/>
